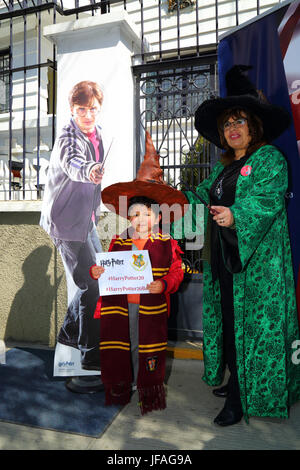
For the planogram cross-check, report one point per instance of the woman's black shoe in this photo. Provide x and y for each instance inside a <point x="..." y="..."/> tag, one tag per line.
<point x="221" y="392"/>
<point x="228" y="416"/>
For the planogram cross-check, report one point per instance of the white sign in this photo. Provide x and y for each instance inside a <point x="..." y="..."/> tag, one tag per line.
<point x="67" y="362"/>
<point x="126" y="272"/>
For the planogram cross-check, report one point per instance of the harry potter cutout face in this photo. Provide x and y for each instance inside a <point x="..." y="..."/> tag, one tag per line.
<point x="85" y="116"/>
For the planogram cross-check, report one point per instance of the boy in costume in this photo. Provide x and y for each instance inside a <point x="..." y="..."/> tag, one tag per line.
<point x="134" y="327"/>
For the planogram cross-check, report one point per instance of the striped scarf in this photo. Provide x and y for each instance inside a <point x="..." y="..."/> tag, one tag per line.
<point x="115" y="355"/>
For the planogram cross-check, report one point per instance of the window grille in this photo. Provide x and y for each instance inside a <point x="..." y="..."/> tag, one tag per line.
<point x="4" y="81"/>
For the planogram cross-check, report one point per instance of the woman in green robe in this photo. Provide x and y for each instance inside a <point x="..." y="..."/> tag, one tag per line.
<point x="249" y="306"/>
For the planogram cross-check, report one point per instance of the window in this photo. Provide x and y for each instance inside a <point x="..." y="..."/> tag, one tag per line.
<point x="175" y="94"/>
<point x="4" y="81"/>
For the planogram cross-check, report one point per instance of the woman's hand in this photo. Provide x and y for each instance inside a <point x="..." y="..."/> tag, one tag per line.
<point x="155" y="287"/>
<point x="96" y="174"/>
<point x="224" y="216"/>
<point x="96" y="271"/>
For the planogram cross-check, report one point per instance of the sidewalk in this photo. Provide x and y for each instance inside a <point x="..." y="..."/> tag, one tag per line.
<point x="186" y="424"/>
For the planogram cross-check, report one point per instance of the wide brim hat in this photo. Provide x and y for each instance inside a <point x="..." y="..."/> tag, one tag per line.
<point x="148" y="183"/>
<point x="241" y="94"/>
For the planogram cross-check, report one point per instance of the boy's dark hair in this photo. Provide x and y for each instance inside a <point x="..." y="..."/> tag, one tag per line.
<point x="146" y="201"/>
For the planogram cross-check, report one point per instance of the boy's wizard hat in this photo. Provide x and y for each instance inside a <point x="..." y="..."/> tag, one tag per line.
<point x="241" y="94"/>
<point x="148" y="183"/>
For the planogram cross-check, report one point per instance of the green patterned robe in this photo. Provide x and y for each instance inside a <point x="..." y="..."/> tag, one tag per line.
<point x="265" y="313"/>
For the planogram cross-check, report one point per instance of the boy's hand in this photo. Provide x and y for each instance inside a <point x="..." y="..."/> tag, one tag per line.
<point x="155" y="287"/>
<point x="97" y="271"/>
<point x="96" y="174"/>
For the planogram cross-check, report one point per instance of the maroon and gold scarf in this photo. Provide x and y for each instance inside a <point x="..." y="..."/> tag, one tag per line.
<point x="115" y="356"/>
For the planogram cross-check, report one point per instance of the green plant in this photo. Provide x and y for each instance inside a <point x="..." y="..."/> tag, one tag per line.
<point x="193" y="172"/>
<point x="173" y="4"/>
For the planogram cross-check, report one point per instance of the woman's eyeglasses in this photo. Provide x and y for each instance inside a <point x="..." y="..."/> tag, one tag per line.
<point x="236" y="123"/>
<point x="82" y="111"/>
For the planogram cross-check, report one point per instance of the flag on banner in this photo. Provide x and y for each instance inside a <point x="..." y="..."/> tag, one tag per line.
<point x="271" y="44"/>
<point x="289" y="35"/>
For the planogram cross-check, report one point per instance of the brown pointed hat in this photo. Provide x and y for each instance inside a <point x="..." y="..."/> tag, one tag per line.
<point x="148" y="183"/>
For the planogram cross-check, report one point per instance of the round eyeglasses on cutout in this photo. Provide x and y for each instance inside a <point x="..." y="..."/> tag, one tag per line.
<point x="236" y="123"/>
<point x="82" y="111"/>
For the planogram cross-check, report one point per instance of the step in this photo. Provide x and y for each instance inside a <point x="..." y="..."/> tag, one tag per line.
<point x="185" y="349"/>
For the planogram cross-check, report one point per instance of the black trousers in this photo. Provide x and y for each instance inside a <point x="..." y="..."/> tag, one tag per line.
<point x="80" y="329"/>
<point x="226" y="287"/>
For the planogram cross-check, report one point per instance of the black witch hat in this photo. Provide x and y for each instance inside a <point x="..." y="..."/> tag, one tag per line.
<point x="241" y="94"/>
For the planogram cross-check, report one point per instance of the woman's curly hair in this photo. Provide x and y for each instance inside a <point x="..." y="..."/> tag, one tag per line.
<point x="256" y="132"/>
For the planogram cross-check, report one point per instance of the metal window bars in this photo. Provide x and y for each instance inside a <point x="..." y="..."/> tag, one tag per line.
<point x="28" y="77"/>
<point x="166" y="100"/>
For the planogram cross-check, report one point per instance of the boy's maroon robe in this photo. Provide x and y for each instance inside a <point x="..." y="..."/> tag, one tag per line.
<point x="115" y="355"/>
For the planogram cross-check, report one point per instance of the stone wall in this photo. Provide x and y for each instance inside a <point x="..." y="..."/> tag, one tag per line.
<point x="32" y="278"/>
<point x="33" y="287"/>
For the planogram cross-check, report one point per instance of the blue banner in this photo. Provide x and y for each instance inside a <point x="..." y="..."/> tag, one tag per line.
<point x="269" y="45"/>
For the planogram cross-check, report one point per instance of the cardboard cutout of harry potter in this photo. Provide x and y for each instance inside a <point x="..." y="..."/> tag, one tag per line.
<point x="70" y="214"/>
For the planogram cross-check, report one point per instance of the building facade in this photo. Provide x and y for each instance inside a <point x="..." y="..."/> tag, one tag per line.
<point x="171" y="69"/>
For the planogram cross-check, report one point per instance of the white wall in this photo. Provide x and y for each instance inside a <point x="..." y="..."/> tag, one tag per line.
<point x="206" y="15"/>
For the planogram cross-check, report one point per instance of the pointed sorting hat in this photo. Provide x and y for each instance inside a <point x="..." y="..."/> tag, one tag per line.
<point x="148" y="183"/>
<point x="241" y="94"/>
